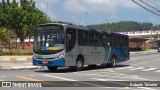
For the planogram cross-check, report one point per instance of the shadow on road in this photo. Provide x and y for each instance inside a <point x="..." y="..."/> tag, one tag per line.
<point x="70" y="70"/>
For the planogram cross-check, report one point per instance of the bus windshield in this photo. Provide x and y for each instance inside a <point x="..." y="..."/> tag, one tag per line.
<point x="49" y="40"/>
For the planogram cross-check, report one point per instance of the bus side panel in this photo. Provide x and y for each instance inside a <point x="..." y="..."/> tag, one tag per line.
<point x="92" y="55"/>
<point x="88" y="54"/>
<point x="101" y="55"/>
<point x="85" y="52"/>
<point x="71" y="57"/>
<point x="109" y="55"/>
<point x="122" y="54"/>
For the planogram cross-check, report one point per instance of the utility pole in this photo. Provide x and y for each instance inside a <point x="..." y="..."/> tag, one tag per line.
<point x="47" y="8"/>
<point x="106" y="25"/>
<point x="158" y="32"/>
<point x="86" y="18"/>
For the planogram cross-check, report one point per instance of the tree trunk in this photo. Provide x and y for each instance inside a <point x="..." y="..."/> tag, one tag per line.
<point x="9" y="46"/>
<point x="22" y="43"/>
<point x="1" y="48"/>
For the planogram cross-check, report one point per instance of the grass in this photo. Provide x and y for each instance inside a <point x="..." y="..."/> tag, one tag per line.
<point x="18" y="52"/>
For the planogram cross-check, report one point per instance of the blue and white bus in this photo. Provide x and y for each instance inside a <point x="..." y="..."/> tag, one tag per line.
<point x="64" y="45"/>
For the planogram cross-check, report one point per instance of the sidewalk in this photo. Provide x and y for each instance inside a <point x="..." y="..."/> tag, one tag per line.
<point x="17" y="63"/>
<point x="18" y="66"/>
<point x="15" y="58"/>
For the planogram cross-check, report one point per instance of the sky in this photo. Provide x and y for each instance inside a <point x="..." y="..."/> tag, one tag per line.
<point x="88" y="12"/>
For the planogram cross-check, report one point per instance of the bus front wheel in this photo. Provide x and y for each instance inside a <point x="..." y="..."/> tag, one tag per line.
<point x="52" y="68"/>
<point x="79" y="64"/>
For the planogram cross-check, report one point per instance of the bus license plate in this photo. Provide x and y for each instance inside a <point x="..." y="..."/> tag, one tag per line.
<point x="45" y="62"/>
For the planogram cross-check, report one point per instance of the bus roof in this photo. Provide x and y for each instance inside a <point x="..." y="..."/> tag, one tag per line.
<point x="50" y="24"/>
<point x="83" y="28"/>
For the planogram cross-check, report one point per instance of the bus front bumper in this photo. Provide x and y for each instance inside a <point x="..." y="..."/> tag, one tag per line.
<point x="60" y="62"/>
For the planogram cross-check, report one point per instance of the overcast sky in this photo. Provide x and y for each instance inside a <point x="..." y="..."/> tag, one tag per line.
<point x="98" y="11"/>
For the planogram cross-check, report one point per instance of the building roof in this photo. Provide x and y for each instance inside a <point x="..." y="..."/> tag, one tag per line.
<point x="137" y="39"/>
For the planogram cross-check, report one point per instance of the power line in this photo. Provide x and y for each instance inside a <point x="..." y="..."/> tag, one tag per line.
<point x="150" y="5"/>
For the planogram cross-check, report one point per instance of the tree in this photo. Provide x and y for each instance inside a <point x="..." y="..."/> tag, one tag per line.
<point x="21" y="18"/>
<point x="125" y="26"/>
<point x="4" y="38"/>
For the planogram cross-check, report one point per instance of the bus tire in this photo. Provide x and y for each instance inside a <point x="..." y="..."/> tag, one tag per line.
<point x="113" y="62"/>
<point x="79" y="64"/>
<point x="52" y="68"/>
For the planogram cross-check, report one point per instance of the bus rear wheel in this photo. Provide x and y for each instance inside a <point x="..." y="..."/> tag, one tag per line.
<point x="52" y="68"/>
<point x="79" y="64"/>
<point x="113" y="62"/>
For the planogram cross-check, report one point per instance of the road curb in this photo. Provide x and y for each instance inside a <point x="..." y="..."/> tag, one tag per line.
<point x="19" y="67"/>
<point x="143" y="52"/>
<point x="13" y="59"/>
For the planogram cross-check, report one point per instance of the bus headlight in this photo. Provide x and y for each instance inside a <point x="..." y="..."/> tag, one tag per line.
<point x="61" y="55"/>
<point x="35" y="56"/>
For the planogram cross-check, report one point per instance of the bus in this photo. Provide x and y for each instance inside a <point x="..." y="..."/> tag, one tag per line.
<point x="65" y="45"/>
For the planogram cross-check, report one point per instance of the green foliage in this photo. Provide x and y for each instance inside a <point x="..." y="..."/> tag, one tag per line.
<point x="21" y="18"/>
<point x="4" y="35"/>
<point x="15" y="52"/>
<point x="124" y="26"/>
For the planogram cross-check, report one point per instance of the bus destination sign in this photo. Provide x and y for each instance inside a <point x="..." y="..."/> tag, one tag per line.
<point x="49" y="27"/>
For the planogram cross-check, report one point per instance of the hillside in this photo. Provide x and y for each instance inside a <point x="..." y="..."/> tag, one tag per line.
<point x="125" y="26"/>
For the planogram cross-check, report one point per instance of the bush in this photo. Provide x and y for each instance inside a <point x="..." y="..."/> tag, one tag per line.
<point x="16" y="52"/>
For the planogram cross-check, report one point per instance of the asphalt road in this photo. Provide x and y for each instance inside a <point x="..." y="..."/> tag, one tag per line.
<point x="138" y="68"/>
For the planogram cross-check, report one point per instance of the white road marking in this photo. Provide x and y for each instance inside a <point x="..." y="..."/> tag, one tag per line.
<point x="106" y="79"/>
<point x="150" y="69"/>
<point x="140" y="68"/>
<point x="145" y="62"/>
<point x="59" y="77"/>
<point x="136" y="68"/>
<point x="75" y="80"/>
<point x="157" y="71"/>
<point x="126" y="77"/>
<point x="125" y="68"/>
<point x="138" y="64"/>
<point x="3" y="76"/>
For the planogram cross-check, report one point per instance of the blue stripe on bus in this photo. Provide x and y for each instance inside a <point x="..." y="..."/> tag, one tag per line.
<point x="122" y="54"/>
<point x="60" y="62"/>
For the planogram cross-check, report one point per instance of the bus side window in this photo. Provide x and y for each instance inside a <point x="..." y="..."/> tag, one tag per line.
<point x="85" y="38"/>
<point x="124" y="42"/>
<point x="80" y="34"/>
<point x="70" y="38"/>
<point x="82" y="38"/>
<point x="100" y="38"/>
<point x="96" y="41"/>
<point x="91" y="39"/>
<point x="121" y="42"/>
<point x="112" y="41"/>
<point x="104" y="41"/>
